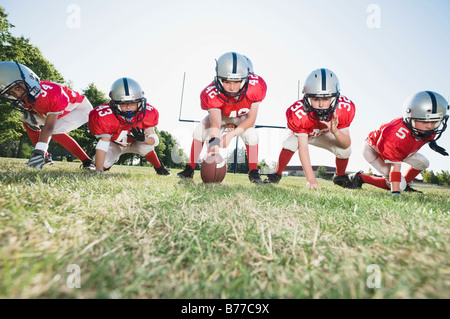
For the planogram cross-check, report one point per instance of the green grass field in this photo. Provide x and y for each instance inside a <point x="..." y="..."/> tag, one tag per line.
<point x="65" y="233"/>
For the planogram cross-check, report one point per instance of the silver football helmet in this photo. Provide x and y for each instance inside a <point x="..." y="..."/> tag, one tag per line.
<point x="426" y="106"/>
<point x="14" y="73"/>
<point x="321" y="83"/>
<point x="125" y="91"/>
<point x="231" y="66"/>
<point x="250" y="64"/>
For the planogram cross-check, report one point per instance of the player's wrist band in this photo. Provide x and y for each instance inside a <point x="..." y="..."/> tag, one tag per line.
<point x="41" y="147"/>
<point x="395" y="177"/>
<point x="102" y="145"/>
<point x="215" y="141"/>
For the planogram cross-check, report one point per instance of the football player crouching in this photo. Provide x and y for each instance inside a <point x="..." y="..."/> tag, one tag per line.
<point x="322" y="118"/>
<point x="424" y="120"/>
<point x="125" y="125"/>
<point x="232" y="101"/>
<point x="50" y="111"/>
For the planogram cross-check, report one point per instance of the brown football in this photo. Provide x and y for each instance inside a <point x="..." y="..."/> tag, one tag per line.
<point x="213" y="168"/>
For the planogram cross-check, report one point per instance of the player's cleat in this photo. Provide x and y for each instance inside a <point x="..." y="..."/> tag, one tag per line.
<point x="162" y="170"/>
<point x="188" y="172"/>
<point x="88" y="164"/>
<point x="412" y="190"/>
<point x="254" y="176"/>
<point x="356" y="180"/>
<point x="48" y="159"/>
<point x="342" y="180"/>
<point x="273" y="178"/>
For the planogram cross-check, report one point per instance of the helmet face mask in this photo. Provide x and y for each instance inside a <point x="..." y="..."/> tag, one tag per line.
<point x="426" y="106"/>
<point x="321" y="83"/>
<point x="19" y="79"/>
<point x="231" y="66"/>
<point x="125" y="91"/>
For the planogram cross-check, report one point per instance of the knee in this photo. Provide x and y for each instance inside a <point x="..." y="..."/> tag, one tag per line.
<point x="343" y="153"/>
<point x="199" y="133"/>
<point x="291" y="143"/>
<point x="251" y="137"/>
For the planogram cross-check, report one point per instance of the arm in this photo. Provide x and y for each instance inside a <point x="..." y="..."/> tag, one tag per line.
<point x="100" y="153"/>
<point x="151" y="140"/>
<point x="303" y="152"/>
<point x="37" y="160"/>
<point x="241" y="128"/>
<point x="47" y="129"/>
<point x="215" y="117"/>
<point x="342" y="137"/>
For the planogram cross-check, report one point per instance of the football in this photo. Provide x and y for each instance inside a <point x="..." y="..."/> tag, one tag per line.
<point x="213" y="168"/>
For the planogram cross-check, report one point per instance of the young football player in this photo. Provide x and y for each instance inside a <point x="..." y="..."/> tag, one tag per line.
<point x="322" y="118"/>
<point x="50" y="110"/>
<point x="232" y="101"/>
<point x="424" y="119"/>
<point x="125" y="125"/>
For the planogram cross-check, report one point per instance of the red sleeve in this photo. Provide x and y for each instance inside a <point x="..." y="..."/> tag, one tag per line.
<point x="297" y="119"/>
<point x="209" y="98"/>
<point x="151" y="117"/>
<point x="102" y="121"/>
<point x="52" y="99"/>
<point x="257" y="89"/>
<point x="346" y="112"/>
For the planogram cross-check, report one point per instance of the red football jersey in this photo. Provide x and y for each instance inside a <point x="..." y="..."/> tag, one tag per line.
<point x="301" y="123"/>
<point x="394" y="141"/>
<point x="54" y="99"/>
<point x="256" y="92"/>
<point x="102" y="121"/>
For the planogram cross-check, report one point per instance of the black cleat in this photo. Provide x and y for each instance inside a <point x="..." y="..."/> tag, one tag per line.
<point x="356" y="180"/>
<point x="412" y="190"/>
<point x="162" y="170"/>
<point x="88" y="164"/>
<point x="273" y="178"/>
<point x="254" y="176"/>
<point x="187" y="173"/>
<point x="342" y="180"/>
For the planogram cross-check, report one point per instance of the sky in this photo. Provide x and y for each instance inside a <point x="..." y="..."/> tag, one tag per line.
<point x="381" y="51"/>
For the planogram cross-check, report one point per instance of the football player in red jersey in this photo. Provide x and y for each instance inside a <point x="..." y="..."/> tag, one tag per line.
<point x="50" y="110"/>
<point x="125" y="125"/>
<point x="322" y="118"/>
<point x="232" y="101"/>
<point x="424" y="119"/>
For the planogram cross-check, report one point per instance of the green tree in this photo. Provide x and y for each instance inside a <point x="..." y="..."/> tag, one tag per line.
<point x="13" y="137"/>
<point x="429" y="177"/>
<point x="322" y="172"/>
<point x="444" y="178"/>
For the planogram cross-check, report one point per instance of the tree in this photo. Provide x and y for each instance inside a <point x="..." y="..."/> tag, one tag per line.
<point x="322" y="172"/>
<point x="444" y="178"/>
<point x="430" y="177"/>
<point x="13" y="138"/>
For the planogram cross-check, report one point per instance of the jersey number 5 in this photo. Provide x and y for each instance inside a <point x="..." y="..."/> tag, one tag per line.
<point x="402" y="132"/>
